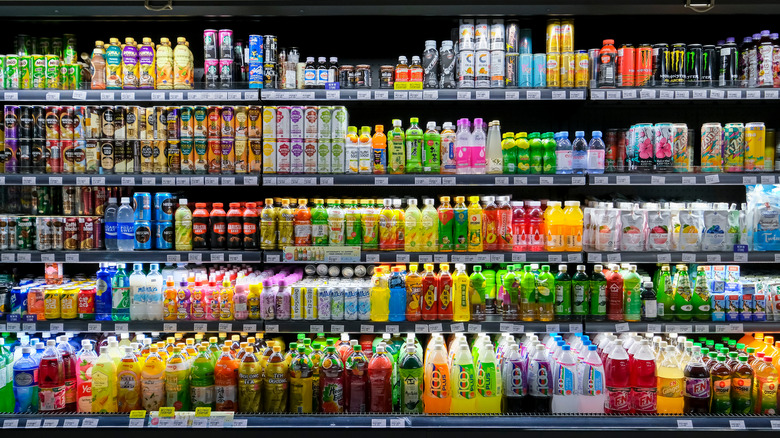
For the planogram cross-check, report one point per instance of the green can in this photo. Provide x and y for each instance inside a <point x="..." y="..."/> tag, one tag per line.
<point x="39" y="72"/>
<point x="70" y="56"/>
<point x="53" y="76"/>
<point x="25" y="232"/>
<point x="43" y="202"/>
<point x="12" y="72"/>
<point x="2" y="72"/>
<point x="25" y="72"/>
<point x="73" y="77"/>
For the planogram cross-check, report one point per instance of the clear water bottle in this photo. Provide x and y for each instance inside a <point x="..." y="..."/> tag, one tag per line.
<point x="463" y="147"/>
<point x="563" y="153"/>
<point x="596" y="151"/>
<point x="579" y="153"/>
<point x="154" y="293"/>
<point x="110" y="224"/>
<point x="124" y="229"/>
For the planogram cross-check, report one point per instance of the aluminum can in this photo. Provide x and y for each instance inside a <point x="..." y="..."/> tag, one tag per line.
<point x="755" y="141"/>
<point x="734" y="147"/>
<point x="712" y="147"/>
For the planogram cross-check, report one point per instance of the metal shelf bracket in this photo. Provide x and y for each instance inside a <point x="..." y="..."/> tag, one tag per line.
<point x="168" y="6"/>
<point x="698" y="7"/>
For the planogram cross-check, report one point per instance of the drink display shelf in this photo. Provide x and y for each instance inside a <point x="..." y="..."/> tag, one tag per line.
<point x="683" y="327"/>
<point x="686" y="179"/>
<point x="92" y="326"/>
<point x="428" y="95"/>
<point x="440" y="257"/>
<point x="128" y="180"/>
<point x="122" y="97"/>
<point x="684" y="94"/>
<point x="424" y="180"/>
<point x="150" y="256"/>
<point x="683" y="257"/>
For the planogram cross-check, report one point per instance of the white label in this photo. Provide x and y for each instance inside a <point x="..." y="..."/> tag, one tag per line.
<point x="558" y="95"/>
<point x="11" y="96"/>
<point x="520" y="180"/>
<point x="664" y="258"/>
<point x="363" y="95"/>
<point x="657" y="180"/>
<point x="767" y="179"/>
<point x="201" y="327"/>
<point x="482" y="94"/>
<point x="736" y="328"/>
<point x="225" y="327"/>
<point x="220" y="257"/>
<point x="402" y="258"/>
<point x="497" y="258"/>
<point x="23" y="257"/>
<point x="775" y="424"/>
<point x="555" y="258"/>
<point x="98" y="180"/>
<point x="597" y="95"/>
<point x="511" y="95"/>
<point x="235" y="257"/>
<point x="176" y="96"/>
<point x="716" y="94"/>
<point x="89" y="422"/>
<point x="51" y="423"/>
<point x="545" y="180"/>
<point x="379" y="95"/>
<point x="425" y="258"/>
<point x="679" y="328"/>
<point x="734" y="94"/>
<point x="70" y="422"/>
<point x="71" y="258"/>
<point x="613" y="258"/>
<point x="699" y="94"/>
<point x="332" y="94"/>
<point x="533" y="95"/>
<point x="440" y="258"/>
<point x="378" y="423"/>
<point x="107" y="96"/>
<point x="248" y="181"/>
<point x="505" y="327"/>
<point x="397" y="423"/>
<point x="436" y="328"/>
<point x="249" y="328"/>
<point x="666" y="94"/>
<point x="482" y="258"/>
<point x="372" y="258"/>
<point x="421" y="328"/>
<point x="228" y="181"/>
<point x="53" y="96"/>
<point x="172" y="327"/>
<point x="12" y="424"/>
<point x="685" y="424"/>
<point x="713" y="258"/>
<point x="502" y="180"/>
<point x="269" y="258"/>
<point x="239" y="423"/>
<point x="577" y="95"/>
<point x="753" y="94"/>
<point x="365" y="328"/>
<point x="55" y="180"/>
<point x="147" y="180"/>
<point x="13" y="327"/>
<point x="654" y="328"/>
<point x="29" y="327"/>
<point x="210" y="181"/>
<point x="740" y="257"/>
<point x="575" y="328"/>
<point x="388" y="329"/>
<point x="701" y="328"/>
<point x="594" y="258"/>
<point x="518" y="257"/>
<point x="272" y="328"/>
<point x="475" y="328"/>
<point x="121" y="328"/>
<point x="688" y="258"/>
<point x="7" y="258"/>
<point x="689" y="180"/>
<point x="337" y="328"/>
<point x="194" y="257"/>
<point x="771" y="94"/>
<point x="182" y="181"/>
<point x="128" y="180"/>
<point x="56" y="327"/>
<point x="33" y="423"/>
<point x="622" y="327"/>
<point x="415" y="95"/>
<point x="749" y="180"/>
<point x="173" y="258"/>
<point x="623" y="179"/>
<point x="127" y="95"/>
<point x="157" y="95"/>
<point x="457" y="327"/>
<point x="712" y="179"/>
<point x="601" y="180"/>
<point x="398" y="95"/>
<point x="381" y="180"/>
<point x="28" y="180"/>
<point x="553" y="328"/>
<point x="216" y="422"/>
<point x="430" y="95"/>
<point x="737" y="424"/>
<point x="573" y="258"/>
<point x="449" y="180"/>
<point x="578" y="180"/>
<point x="326" y="181"/>
<point x="614" y="95"/>
<point x="47" y="258"/>
<point x="463" y="95"/>
<point x="314" y="328"/>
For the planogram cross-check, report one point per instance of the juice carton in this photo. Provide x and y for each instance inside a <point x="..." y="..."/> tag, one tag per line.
<point x="718" y="307"/>
<point x="719" y="272"/>
<point x="759" y="307"/>
<point x="748" y="305"/>
<point x="733" y="306"/>
<point x="732" y="273"/>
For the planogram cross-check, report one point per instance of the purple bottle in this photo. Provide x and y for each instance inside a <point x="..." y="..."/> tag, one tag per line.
<point x="478" y="145"/>
<point x="283" y="300"/>
<point x="268" y="300"/>
<point x="183" y="302"/>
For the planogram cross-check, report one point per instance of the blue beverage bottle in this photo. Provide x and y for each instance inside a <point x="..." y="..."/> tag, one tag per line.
<point x="103" y="301"/>
<point x="25" y="383"/>
<point x="579" y="153"/>
<point x="397" y="285"/>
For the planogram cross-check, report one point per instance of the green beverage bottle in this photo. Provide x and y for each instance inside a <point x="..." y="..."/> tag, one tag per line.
<point x="511" y="300"/>
<point x="177" y="381"/>
<point x="414" y="142"/>
<point x="598" y="294"/>
<point x="432" y="149"/>
<point x="6" y="386"/>
<point x="563" y="294"/>
<point x="682" y="295"/>
<point x="509" y="153"/>
<point x="120" y="294"/>
<point x="353" y="234"/>
<point x="665" y="294"/>
<point x="632" y="291"/>
<point x="701" y="296"/>
<point x="528" y="294"/>
<point x="721" y="377"/>
<point x="446" y="224"/>
<point x="535" y="153"/>
<point x="490" y="289"/>
<point x="202" y="379"/>
<point x="319" y="223"/>
<point x="183" y="228"/>
<point x="523" y="153"/>
<point x="460" y="231"/>
<point x="477" y="294"/>
<point x="549" y="159"/>
<point x="580" y="284"/>
<point x="742" y="381"/>
<point x="410" y="370"/>
<point x="545" y="289"/>
<point x="396" y="155"/>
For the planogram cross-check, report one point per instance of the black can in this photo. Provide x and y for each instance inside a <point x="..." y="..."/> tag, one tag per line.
<point x="660" y="77"/>
<point x="270" y="49"/>
<point x="26" y="121"/>
<point x="693" y="65"/>
<point x="269" y="76"/>
<point x="39" y="124"/>
<point x="709" y="69"/>
<point x="24" y="155"/>
<point x="120" y="129"/>
<point x="728" y="62"/>
<point x="38" y="156"/>
<point x="677" y="73"/>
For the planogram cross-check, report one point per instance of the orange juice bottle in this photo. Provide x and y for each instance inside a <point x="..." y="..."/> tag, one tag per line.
<point x="554" y="227"/>
<point x="302" y="224"/>
<point x="170" y="306"/>
<point x="437" y="395"/>
<point x="379" y="144"/>
<point x="572" y="221"/>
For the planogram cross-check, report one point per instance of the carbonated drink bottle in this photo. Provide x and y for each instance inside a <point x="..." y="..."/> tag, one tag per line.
<point x="670" y="383"/>
<point x="539" y="382"/>
<point x="700" y="299"/>
<point x="356" y="378"/>
<point x="618" y="380"/>
<point x="437" y="396"/>
<point x="683" y="308"/>
<point x="51" y="380"/>
<point x="380" y="371"/>
<point x="564" y="399"/>
<point x="25" y="382"/>
<point x="643" y="380"/>
<point x="696" y="398"/>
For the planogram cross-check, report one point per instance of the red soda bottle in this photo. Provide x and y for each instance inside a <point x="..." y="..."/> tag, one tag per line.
<point x="490" y="225"/>
<point x="356" y="381"/>
<point x="69" y="366"/>
<point x="519" y="227"/>
<point x="618" y="380"/>
<point x="614" y="294"/>
<point x="367" y="344"/>
<point x="445" y="293"/>
<point x="51" y="380"/>
<point x="380" y="370"/>
<point x="535" y="219"/>
<point x="643" y="380"/>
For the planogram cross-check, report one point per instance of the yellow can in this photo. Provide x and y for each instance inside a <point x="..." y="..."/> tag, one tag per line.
<point x="255" y="152"/>
<point x="553" y="36"/>
<point x="553" y="70"/>
<point x="567" y="70"/>
<point x="51" y="302"/>
<point x="755" y="146"/>
<point x="242" y="122"/>
<point x="242" y="154"/>
<point x="69" y="302"/>
<point x="581" y="69"/>
<point x="567" y="35"/>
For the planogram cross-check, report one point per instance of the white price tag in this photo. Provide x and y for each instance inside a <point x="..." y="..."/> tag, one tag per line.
<point x="53" y="96"/>
<point x="121" y="328"/>
<point x="33" y="423"/>
<point x="50" y="423"/>
<point x="94" y="327"/>
<point x="172" y="327"/>
<point x="737" y="424"/>
<point x="7" y="258"/>
<point x="269" y="258"/>
<point x="365" y="328"/>
<point x="575" y="328"/>
<point x="440" y="258"/>
<point x="734" y="94"/>
<point x="666" y="94"/>
<point x="701" y="328"/>
<point x="689" y="180"/>
<point x="272" y="328"/>
<point x="711" y="179"/>
<point x="23" y="257"/>
<point x="654" y="328"/>
<point x="436" y="328"/>
<point x="12" y="424"/>
<point x="555" y="258"/>
<point x="397" y="423"/>
<point x="378" y="95"/>
<point x="235" y="257"/>
<point x="106" y="96"/>
<point x="449" y="180"/>
<point x="47" y="258"/>
<point x="389" y="329"/>
<point x="29" y="327"/>
<point x="533" y="95"/>
<point x="688" y="258"/>
<point x="314" y="328"/>
<point x="740" y="257"/>
<point x="89" y="422"/>
<point x="657" y="180"/>
<point x="475" y="328"/>
<point x="482" y="94"/>
<point x="577" y="95"/>
<point x="250" y="328"/>
<point x="70" y="422"/>
<point x="546" y="180"/>
<point x="13" y="327"/>
<point x="201" y="327"/>
<point x="753" y="94"/>
<point x="622" y="327"/>
<point x="56" y="327"/>
<point x="457" y="327"/>
<point x="182" y="181"/>
<point x="28" y="180"/>
<point x="594" y="257"/>
<point x="55" y="180"/>
<point x="597" y="95"/>
<point x="767" y="179"/>
<point x="699" y="94"/>
<point x="685" y="424"/>
<point x="623" y="179"/>
<point x="502" y="181"/>
<point x="497" y="258"/>
<point x="505" y="327"/>
<point x="775" y="424"/>
<point x="381" y="181"/>
<point x="165" y="422"/>
<point x="482" y="258"/>
<point x="682" y="94"/>
<point x="421" y="328"/>
<point x="511" y="95"/>
<point x="397" y="95"/>
<point x="127" y="95"/>
<point x="11" y="96"/>
<point x="601" y="180"/>
<point x="463" y="95"/>
<point x="518" y="257"/>
<point x="378" y="423"/>
<point x="553" y="328"/>
<point x="332" y="94"/>
<point x="220" y="257"/>
<point x="216" y="422"/>
<point x="158" y="95"/>
<point x="578" y="180"/>
<point x="425" y="258"/>
<point x="240" y="423"/>
<point x="749" y="180"/>
<point x="175" y="96"/>
<point x="614" y="95"/>
<point x="713" y="258"/>
<point x="336" y="328"/>
<point x="228" y="180"/>
<point x="372" y="258"/>
<point x="71" y="258"/>
<point x="574" y="258"/>
<point x="194" y="257"/>
<point x="173" y="258"/>
<point x="248" y="181"/>
<point x="664" y="258"/>
<point x="520" y="180"/>
<point x="614" y="258"/>
<point x="717" y="94"/>
<point x="430" y="95"/>
<point x="364" y="95"/>
<point x="402" y="258"/>
<point x="225" y="327"/>
<point x="558" y="95"/>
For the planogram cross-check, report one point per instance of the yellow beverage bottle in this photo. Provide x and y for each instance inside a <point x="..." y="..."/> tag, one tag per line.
<point x="400" y="221"/>
<point x="182" y="65"/>
<point x="437" y="383"/>
<point x="413" y="293"/>
<point x="388" y="228"/>
<point x="572" y="221"/>
<point x="147" y="74"/>
<point x="164" y="64"/>
<point x="226" y="301"/>
<point x="475" y="225"/>
<point x="114" y="65"/>
<point x="461" y="307"/>
<point x="429" y="227"/>
<point x="253" y="300"/>
<point x="463" y="379"/>
<point x="553" y="227"/>
<point x="380" y="296"/>
<point x="670" y="383"/>
<point x="413" y="227"/>
<point x="128" y="382"/>
<point x="104" y="383"/>
<point x="766" y="392"/>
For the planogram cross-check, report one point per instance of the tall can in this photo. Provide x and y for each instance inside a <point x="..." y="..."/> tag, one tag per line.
<point x="693" y="66"/>
<point x="553" y="73"/>
<point x="567" y="70"/>
<point x="310" y="155"/>
<point x="53" y="78"/>
<point x="539" y="75"/>
<point x="512" y="37"/>
<point x="200" y="153"/>
<point x="296" y="122"/>
<point x="255" y="156"/>
<point x="283" y="122"/>
<point x="228" y="165"/>
<point x="512" y="70"/>
<point x="581" y="69"/>
<point x="553" y="38"/>
<point x="482" y="69"/>
<point x="254" y="122"/>
<point x="755" y="142"/>
<point x="677" y="74"/>
<point x="712" y="147"/>
<point x="643" y="65"/>
<point x="12" y="77"/>
<point x="38" y="80"/>
<point x="324" y="156"/>
<point x="593" y="64"/>
<point x="661" y="55"/>
<point x="610" y="157"/>
<point x="213" y="124"/>
<point x="466" y="69"/>
<point x="11" y="119"/>
<point x="283" y="156"/>
<point x="339" y="122"/>
<point x="200" y="115"/>
<point x="214" y="155"/>
<point x="324" y="122"/>
<point x="710" y="68"/>
<point x="663" y="141"/>
<point x="241" y="153"/>
<point x="526" y="44"/>
<point x="497" y="69"/>
<point x="481" y="34"/>
<point x="466" y="34"/>
<point x="338" y="148"/>
<point x="626" y="70"/>
<point x="734" y="147"/>
<point x="269" y="155"/>
<point x="225" y="44"/>
<point x="241" y="122"/>
<point x="310" y="115"/>
<point x="296" y="155"/>
<point x="210" y="44"/>
<point x="269" y="122"/>
<point x="567" y="35"/>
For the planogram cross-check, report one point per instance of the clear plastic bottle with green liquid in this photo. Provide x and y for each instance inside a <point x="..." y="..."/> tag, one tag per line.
<point x="523" y="153"/>
<point x="414" y="145"/>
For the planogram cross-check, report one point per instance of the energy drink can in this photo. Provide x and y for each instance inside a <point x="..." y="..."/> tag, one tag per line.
<point x="526" y="70"/>
<point x="512" y="70"/>
<point x="755" y="141"/>
<point x="734" y="147"/>
<point x="643" y="65"/>
<point x="481" y="34"/>
<point x="626" y="70"/>
<point x="712" y="146"/>
<point x="567" y="70"/>
<point x="553" y="36"/>
<point x="539" y="79"/>
<point x="693" y="58"/>
<point x="709" y="70"/>
<point x="567" y="35"/>
<point x="163" y="234"/>
<point x="677" y="72"/>
<point x="553" y="70"/>
<point x="512" y="37"/>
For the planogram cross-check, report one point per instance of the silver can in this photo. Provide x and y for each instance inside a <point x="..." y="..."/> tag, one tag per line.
<point x="310" y="300"/>
<point x="43" y="231"/>
<point x="350" y="303"/>
<point x="497" y="69"/>
<point x="323" y="302"/>
<point x="482" y="69"/>
<point x="466" y="34"/>
<point x="336" y="303"/>
<point x="593" y="62"/>
<point x="482" y="35"/>
<point x="497" y="35"/>
<point x="466" y="65"/>
<point x="296" y="303"/>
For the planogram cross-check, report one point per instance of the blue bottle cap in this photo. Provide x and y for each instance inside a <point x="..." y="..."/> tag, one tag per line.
<point x="597" y="134"/>
<point x="579" y="133"/>
<point x="566" y="348"/>
<point x="592" y="347"/>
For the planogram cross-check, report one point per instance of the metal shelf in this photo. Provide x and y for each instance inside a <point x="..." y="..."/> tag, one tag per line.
<point x="684" y="94"/>
<point x="122" y="97"/>
<point x="445" y="257"/>
<point x="91" y="326"/>
<point x="128" y="180"/>
<point x="683" y="257"/>
<point x="687" y="179"/>
<point x="151" y="256"/>
<point x="425" y="180"/>
<point x="424" y="95"/>
<point x="695" y="327"/>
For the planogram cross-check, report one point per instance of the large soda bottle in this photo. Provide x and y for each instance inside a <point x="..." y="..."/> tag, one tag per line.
<point x="643" y="380"/>
<point x="618" y="379"/>
<point x="356" y="378"/>
<point x="700" y="299"/>
<point x="301" y="381"/>
<point x="696" y="398"/>
<point x="380" y="370"/>
<point x="276" y="382"/>
<point x="670" y="383"/>
<point x="410" y="371"/>
<point x="664" y="293"/>
<point x="69" y="366"/>
<point x="564" y="399"/>
<point x="539" y="381"/>
<point x="437" y="396"/>
<point x="590" y="383"/>
<point x="51" y="380"/>
<point x="332" y="382"/>
<point x="722" y="379"/>
<point x="515" y="383"/>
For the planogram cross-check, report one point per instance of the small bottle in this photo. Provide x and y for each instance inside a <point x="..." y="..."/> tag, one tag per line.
<point x="649" y="302"/>
<point x="563" y="154"/>
<point x="183" y="230"/>
<point x="322" y="73"/>
<point x="416" y="72"/>
<point x="579" y="148"/>
<point x="402" y="72"/>
<point x="448" y="164"/>
<point x="124" y="227"/>
<point x="596" y="151"/>
<point x="310" y="74"/>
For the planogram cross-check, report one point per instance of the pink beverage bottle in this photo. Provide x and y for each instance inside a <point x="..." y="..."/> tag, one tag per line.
<point x="380" y="370"/>
<point x="283" y="297"/>
<point x="478" y="145"/>
<point x="643" y="380"/>
<point x="240" y="297"/>
<point x="519" y="227"/>
<point x="212" y="295"/>
<point x="268" y="300"/>
<point x="614" y="294"/>
<point x="535" y="219"/>
<point x="463" y="147"/>
<point x="618" y="379"/>
<point x="69" y="366"/>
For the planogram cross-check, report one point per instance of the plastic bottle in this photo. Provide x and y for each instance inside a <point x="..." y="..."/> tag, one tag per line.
<point x="539" y="381"/>
<point x="618" y="380"/>
<point x="125" y="234"/>
<point x="591" y="383"/>
<point x="475" y="225"/>
<point x="410" y="373"/>
<point x="563" y="153"/>
<point x="69" y="367"/>
<point x="535" y="154"/>
<point x="128" y="382"/>
<point x="412" y="227"/>
<point x="545" y="289"/>
<point x="607" y="70"/>
<point x="670" y="384"/>
<point x="431" y="151"/>
<point x="696" y="396"/>
<point x="572" y="223"/>
<point x="766" y="388"/>
<point x="98" y="67"/>
<point x="380" y="296"/>
<point x="643" y="380"/>
<point x="177" y="383"/>
<point x="183" y="228"/>
<point x="429" y="227"/>
<point x="25" y="383"/>
<point x="152" y="380"/>
<point x="722" y="384"/>
<point x="276" y="382"/>
<point x="477" y="294"/>
<point x="478" y="148"/>
<point x="183" y="73"/>
<point x="114" y="65"/>
<point x="85" y="362"/>
<point x="535" y="226"/>
<point x="554" y="227"/>
<point x="301" y="382"/>
<point x="596" y="151"/>
<point x="414" y="292"/>
<point x="51" y="380"/>
<point x="700" y="299"/>
<point x="683" y="308"/>
<point x="414" y="144"/>
<point x="508" y="154"/>
<point x="581" y="293"/>
<point x="461" y="309"/>
<point x="563" y="294"/>
<point x="461" y="226"/>
<point x="183" y="302"/>
<point x="202" y="380"/>
<point x="445" y="293"/>
<point x="397" y="301"/>
<point x="356" y="381"/>
<point x="564" y="399"/>
<point x="495" y="153"/>
<point x="490" y="219"/>
<point x="447" y="149"/>
<point x="446" y="223"/>
<point x="380" y="370"/>
<point x="437" y="386"/>
<point x="519" y="227"/>
<point x="104" y="383"/>
<point x="396" y="155"/>
<point x="429" y="301"/>
<point x="331" y="382"/>
<point x="523" y="153"/>
<point x="528" y="294"/>
<point x="138" y="293"/>
<point x="120" y="295"/>
<point x="614" y="294"/>
<point x="549" y="165"/>
<point x="226" y="381"/>
<point x="463" y="145"/>
<point x="632" y="291"/>
<point x="110" y="224"/>
<point x="365" y="151"/>
<point x="379" y="150"/>
<point x="579" y="153"/>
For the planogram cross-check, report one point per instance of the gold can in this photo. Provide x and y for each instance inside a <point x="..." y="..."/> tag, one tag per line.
<point x="187" y="125"/>
<point x="567" y="70"/>
<point x="567" y="35"/>
<point x="269" y="122"/>
<point x="755" y="146"/>
<point x="199" y="115"/>
<point x="160" y="155"/>
<point x="147" y="157"/>
<point x="51" y="300"/>
<point x="553" y="70"/>
<point x="69" y="302"/>
<point x="553" y="36"/>
<point x="582" y="69"/>
<point x="241" y="145"/>
<point x="131" y="123"/>
<point x="150" y="114"/>
<point x="142" y="123"/>
<point x="161" y="123"/>
<point x="255" y="161"/>
<point x="200" y="151"/>
<point x="242" y="123"/>
<point x="254" y="122"/>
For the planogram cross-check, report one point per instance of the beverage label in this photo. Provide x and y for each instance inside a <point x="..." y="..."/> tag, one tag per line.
<point x="618" y="399"/>
<point x="578" y="298"/>
<point x="514" y="382"/>
<point x="644" y="399"/>
<point x="51" y="399"/>
<point x="670" y="388"/>
<point x="439" y="381"/>
<point x="202" y="395"/>
<point x="332" y="393"/>
<point x="697" y="388"/>
<point x="412" y="388"/>
<point x="564" y="381"/>
<point x="593" y="383"/>
<point x="768" y="398"/>
<point x="539" y="378"/>
<point x="464" y="385"/>
<point x="721" y="388"/>
<point x="153" y="391"/>
<point x="741" y="387"/>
